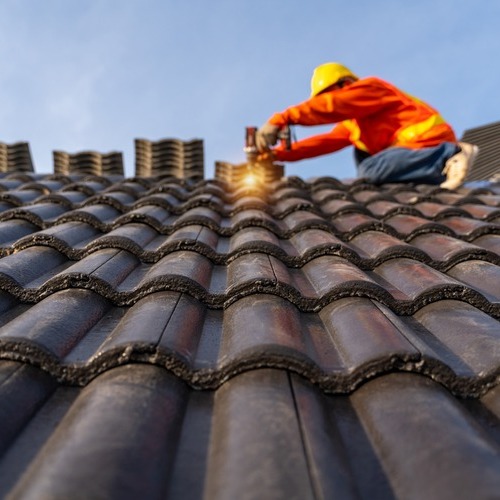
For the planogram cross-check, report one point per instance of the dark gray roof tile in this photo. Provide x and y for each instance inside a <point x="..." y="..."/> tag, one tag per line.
<point x="364" y="346"/>
<point x="23" y="390"/>
<point x="109" y="267"/>
<point x="133" y="237"/>
<point x="483" y="212"/>
<point x="436" y="211"/>
<point x="72" y="199"/>
<point x="470" y="334"/>
<point x="322" y="196"/>
<point x="167" y="201"/>
<point x="408" y="226"/>
<point x="41" y="214"/>
<point x="336" y="207"/>
<point x="443" y="248"/>
<point x="469" y="228"/>
<point x="23" y="268"/>
<point x="18" y="198"/>
<point x="257" y="218"/>
<point x="350" y="224"/>
<point x="424" y="279"/>
<point x="190" y="236"/>
<point x="391" y="409"/>
<point x="9" y="184"/>
<point x="68" y="237"/>
<point x="305" y="242"/>
<point x="288" y="191"/>
<point x="287" y="205"/>
<point x="249" y="235"/>
<point x="88" y="187"/>
<point x="150" y="407"/>
<point x="492" y="200"/>
<point x="119" y="200"/>
<point x="44" y="185"/>
<point x="13" y="230"/>
<point x="410" y="197"/>
<point x="326" y="273"/>
<point x="368" y="196"/>
<point x="482" y="276"/>
<point x="187" y="269"/>
<point x="150" y="324"/>
<point x="375" y="245"/>
<point x="6" y="206"/>
<point x="253" y="405"/>
<point x="100" y="216"/>
<point x="385" y="208"/>
<point x="490" y="242"/>
<point x="154" y="215"/>
<point x="245" y="203"/>
<point x="197" y="215"/>
<point x="70" y="313"/>
<point x="266" y="327"/>
<point x="255" y="269"/>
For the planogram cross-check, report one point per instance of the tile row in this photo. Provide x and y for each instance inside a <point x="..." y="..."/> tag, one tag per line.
<point x="126" y="197"/>
<point x="77" y="334"/>
<point x="29" y="220"/>
<point x="313" y="184"/>
<point x="402" y="283"/>
<point x="22" y="189"/>
<point x="137" y="431"/>
<point x="366" y="249"/>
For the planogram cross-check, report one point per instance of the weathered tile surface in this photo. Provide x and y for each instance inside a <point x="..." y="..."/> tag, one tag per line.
<point x="346" y="336"/>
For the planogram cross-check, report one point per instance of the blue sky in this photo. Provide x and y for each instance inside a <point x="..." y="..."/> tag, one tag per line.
<point x="96" y="74"/>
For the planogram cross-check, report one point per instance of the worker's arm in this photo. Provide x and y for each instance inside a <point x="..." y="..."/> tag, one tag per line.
<point x="357" y="100"/>
<point x="316" y="145"/>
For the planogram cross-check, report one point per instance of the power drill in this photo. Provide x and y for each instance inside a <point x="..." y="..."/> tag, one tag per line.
<point x="250" y="149"/>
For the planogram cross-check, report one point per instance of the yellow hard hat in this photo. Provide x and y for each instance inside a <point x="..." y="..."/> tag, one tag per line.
<point x="328" y="74"/>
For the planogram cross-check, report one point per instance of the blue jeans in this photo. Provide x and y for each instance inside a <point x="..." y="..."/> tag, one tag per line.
<point x="423" y="166"/>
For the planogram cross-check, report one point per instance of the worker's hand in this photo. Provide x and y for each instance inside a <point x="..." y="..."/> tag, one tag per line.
<point x="266" y="158"/>
<point x="266" y="136"/>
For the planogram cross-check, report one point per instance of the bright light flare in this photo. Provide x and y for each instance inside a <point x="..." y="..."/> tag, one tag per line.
<point x="250" y="180"/>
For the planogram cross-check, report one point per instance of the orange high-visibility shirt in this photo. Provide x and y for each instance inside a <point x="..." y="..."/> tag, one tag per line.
<point x="371" y="114"/>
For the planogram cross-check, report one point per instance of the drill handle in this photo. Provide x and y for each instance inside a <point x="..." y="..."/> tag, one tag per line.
<point x="285" y="137"/>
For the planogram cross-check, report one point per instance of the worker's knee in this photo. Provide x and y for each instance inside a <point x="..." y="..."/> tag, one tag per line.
<point x="375" y="168"/>
<point x="407" y="165"/>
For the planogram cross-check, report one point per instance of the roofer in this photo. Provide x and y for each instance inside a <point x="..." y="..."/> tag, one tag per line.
<point x="397" y="137"/>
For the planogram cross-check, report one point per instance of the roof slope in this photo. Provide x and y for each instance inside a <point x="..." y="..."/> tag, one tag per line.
<point x="345" y="336"/>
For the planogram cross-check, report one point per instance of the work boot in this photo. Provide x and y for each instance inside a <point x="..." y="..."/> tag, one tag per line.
<point x="458" y="166"/>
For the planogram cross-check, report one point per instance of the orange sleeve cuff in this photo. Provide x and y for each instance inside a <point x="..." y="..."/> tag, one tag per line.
<point x="317" y="145"/>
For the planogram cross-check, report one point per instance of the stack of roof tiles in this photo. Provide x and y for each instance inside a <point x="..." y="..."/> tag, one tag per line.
<point x="487" y="164"/>
<point x="299" y="339"/>
<point x="170" y="157"/>
<point x="88" y="162"/>
<point x="15" y="157"/>
<point x="245" y="172"/>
